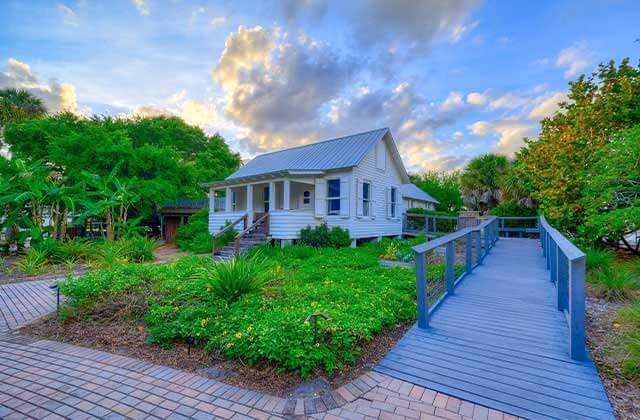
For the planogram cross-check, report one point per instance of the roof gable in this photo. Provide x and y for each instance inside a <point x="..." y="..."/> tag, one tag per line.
<point x="413" y="192"/>
<point x="338" y="153"/>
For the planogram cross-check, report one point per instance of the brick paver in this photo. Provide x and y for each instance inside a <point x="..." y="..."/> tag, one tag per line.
<point x="44" y="379"/>
<point x="21" y="303"/>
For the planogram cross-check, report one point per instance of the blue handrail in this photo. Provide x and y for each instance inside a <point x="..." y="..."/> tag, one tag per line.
<point x="567" y="267"/>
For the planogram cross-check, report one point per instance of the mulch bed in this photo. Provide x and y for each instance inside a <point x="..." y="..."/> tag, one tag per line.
<point x="109" y="329"/>
<point x="605" y="343"/>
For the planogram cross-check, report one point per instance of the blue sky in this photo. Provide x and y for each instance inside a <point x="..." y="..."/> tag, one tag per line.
<point x="453" y="79"/>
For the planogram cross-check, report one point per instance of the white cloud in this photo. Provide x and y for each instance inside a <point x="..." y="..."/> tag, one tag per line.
<point x="218" y="21"/>
<point x="453" y="100"/>
<point x="547" y="105"/>
<point x="56" y="96"/>
<point x="69" y="17"/>
<point x="510" y="133"/>
<point x="141" y="6"/>
<point x="508" y="101"/>
<point x="574" y="59"/>
<point x="460" y="30"/>
<point x="476" y="98"/>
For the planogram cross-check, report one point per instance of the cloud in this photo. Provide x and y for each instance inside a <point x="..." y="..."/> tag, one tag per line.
<point x="276" y="86"/>
<point x="410" y="21"/>
<point x="476" y="98"/>
<point x="69" y="17"/>
<point x="141" y="6"/>
<point x="574" y="59"/>
<point x="547" y="105"/>
<point x="293" y="9"/>
<point x="460" y="30"/>
<point x="508" y="101"/>
<point x="510" y="133"/>
<point x="56" y="96"/>
<point x="453" y="100"/>
<point x="203" y="114"/>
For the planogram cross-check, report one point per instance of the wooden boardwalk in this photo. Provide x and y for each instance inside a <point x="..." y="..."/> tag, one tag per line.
<point x="499" y="341"/>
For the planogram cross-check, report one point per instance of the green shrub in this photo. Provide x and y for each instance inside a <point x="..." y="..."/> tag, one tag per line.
<point x="613" y="283"/>
<point x="230" y="280"/>
<point x="630" y="318"/>
<point x="195" y="237"/>
<point x="598" y="258"/>
<point x="34" y="262"/>
<point x="322" y="236"/>
<point x="122" y="251"/>
<point x="511" y="209"/>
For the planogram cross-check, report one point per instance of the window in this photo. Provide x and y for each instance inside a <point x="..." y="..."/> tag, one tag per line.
<point x="394" y="194"/>
<point x="333" y="197"/>
<point x="233" y="200"/>
<point x="306" y="198"/>
<point x="266" y="199"/>
<point x="366" y="199"/>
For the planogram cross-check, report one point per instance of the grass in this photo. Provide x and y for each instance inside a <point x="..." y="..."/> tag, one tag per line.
<point x="266" y="320"/>
<point x="629" y="318"/>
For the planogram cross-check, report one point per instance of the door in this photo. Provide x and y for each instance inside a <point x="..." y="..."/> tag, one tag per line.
<point x="170" y="227"/>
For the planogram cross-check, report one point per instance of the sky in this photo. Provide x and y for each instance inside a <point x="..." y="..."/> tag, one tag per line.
<point x="451" y="79"/>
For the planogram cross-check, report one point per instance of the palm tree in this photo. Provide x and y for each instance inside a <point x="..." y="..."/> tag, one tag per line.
<point x="18" y="104"/>
<point x="481" y="181"/>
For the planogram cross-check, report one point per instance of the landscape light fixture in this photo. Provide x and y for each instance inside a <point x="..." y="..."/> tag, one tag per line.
<point x="57" y="289"/>
<point x="314" y="317"/>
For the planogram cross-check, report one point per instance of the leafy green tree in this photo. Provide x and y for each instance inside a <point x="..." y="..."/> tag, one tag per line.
<point x="162" y="158"/>
<point x="611" y="199"/>
<point x="442" y="186"/>
<point x="481" y="181"/>
<point x="557" y="166"/>
<point x="17" y="105"/>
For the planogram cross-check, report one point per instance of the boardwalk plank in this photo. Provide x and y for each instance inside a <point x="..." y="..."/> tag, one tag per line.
<point x="499" y="341"/>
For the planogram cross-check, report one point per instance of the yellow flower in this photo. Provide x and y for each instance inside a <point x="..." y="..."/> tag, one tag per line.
<point x="306" y="323"/>
<point x="249" y="328"/>
<point x="204" y="322"/>
<point x="317" y="344"/>
<point x="229" y="345"/>
<point x="176" y="308"/>
<point x="239" y="335"/>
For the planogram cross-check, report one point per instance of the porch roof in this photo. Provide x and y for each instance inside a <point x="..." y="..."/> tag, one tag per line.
<point x="413" y="192"/>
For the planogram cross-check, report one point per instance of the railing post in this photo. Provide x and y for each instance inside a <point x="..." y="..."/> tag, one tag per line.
<point x="548" y="252"/>
<point x="421" y="290"/>
<point x="576" y="309"/>
<point x="237" y="247"/>
<point x="561" y="285"/>
<point x="487" y="240"/>
<point x="451" y="260"/>
<point x="468" y="252"/>
<point x="553" y="270"/>
<point x="478" y="247"/>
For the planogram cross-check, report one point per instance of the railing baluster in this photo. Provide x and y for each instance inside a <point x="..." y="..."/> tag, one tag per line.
<point x="563" y="276"/>
<point x="577" y="348"/>
<point x="421" y="290"/>
<point x="478" y="247"/>
<point x="450" y="263"/>
<point x="468" y="252"/>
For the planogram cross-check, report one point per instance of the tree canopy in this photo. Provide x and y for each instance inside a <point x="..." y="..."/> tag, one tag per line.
<point x="160" y="158"/>
<point x="442" y="186"/>
<point x="18" y="105"/>
<point x="481" y="181"/>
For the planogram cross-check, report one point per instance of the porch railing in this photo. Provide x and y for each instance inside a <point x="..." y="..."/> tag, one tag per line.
<point x="262" y="221"/>
<point x="245" y="221"/>
<point x="439" y="265"/>
<point x="429" y="224"/>
<point x="567" y="268"/>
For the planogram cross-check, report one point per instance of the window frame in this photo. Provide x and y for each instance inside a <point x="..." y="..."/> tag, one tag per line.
<point x="332" y="199"/>
<point x="306" y="198"/>
<point x="234" y="201"/>
<point x="393" y="201"/>
<point x="267" y="204"/>
<point x="366" y="201"/>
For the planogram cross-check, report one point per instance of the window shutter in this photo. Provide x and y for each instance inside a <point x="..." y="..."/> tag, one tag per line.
<point x="372" y="193"/>
<point x="320" y="193"/>
<point x="344" y="196"/>
<point x="360" y="195"/>
<point x="388" y="203"/>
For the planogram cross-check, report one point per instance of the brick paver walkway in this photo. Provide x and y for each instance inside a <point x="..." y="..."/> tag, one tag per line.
<point x="21" y="303"/>
<point x="43" y="379"/>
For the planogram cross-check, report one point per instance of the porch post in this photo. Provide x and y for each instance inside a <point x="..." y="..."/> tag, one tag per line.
<point x="227" y="199"/>
<point x="272" y="196"/>
<point x="250" y="202"/>
<point x="286" y="194"/>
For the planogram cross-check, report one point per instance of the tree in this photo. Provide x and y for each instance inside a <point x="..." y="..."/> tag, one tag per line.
<point x="442" y="186"/>
<point x="162" y="158"/>
<point x="611" y="199"/>
<point x="557" y="166"/>
<point x="481" y="181"/>
<point x="17" y="105"/>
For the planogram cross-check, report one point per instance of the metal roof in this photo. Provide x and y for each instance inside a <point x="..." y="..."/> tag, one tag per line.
<point x="338" y="153"/>
<point x="415" y="193"/>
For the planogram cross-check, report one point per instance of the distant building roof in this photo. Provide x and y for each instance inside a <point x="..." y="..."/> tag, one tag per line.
<point x="338" y="153"/>
<point x="413" y="192"/>
<point x="187" y="203"/>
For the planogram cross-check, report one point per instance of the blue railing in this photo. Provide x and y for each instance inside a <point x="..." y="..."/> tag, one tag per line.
<point x="476" y="242"/>
<point x="567" y="267"/>
<point x="518" y="226"/>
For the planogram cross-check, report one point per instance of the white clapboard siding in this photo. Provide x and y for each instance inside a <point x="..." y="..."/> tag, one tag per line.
<point x="286" y="224"/>
<point x="218" y="219"/>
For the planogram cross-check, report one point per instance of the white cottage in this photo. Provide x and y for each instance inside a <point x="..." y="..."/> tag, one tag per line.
<point x="414" y="198"/>
<point x="354" y="182"/>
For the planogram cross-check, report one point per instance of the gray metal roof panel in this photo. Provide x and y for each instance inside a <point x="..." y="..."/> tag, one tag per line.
<point x="342" y="152"/>
<point x="412" y="191"/>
